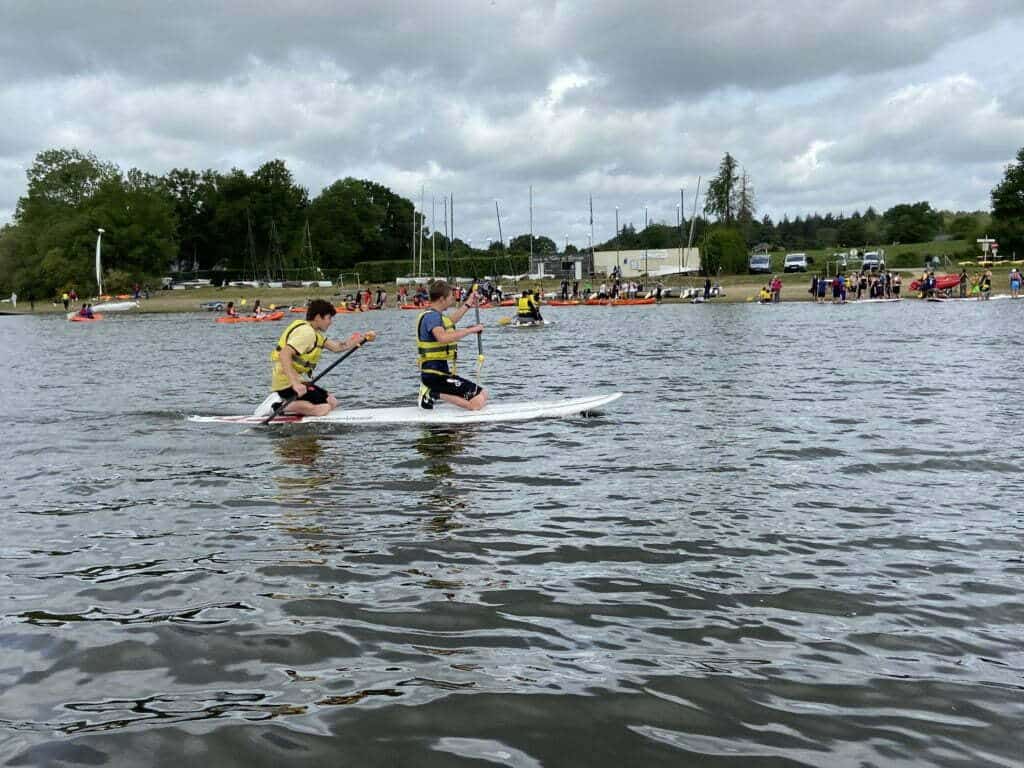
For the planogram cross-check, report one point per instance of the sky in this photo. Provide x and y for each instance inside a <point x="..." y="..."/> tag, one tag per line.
<point x="828" y="106"/>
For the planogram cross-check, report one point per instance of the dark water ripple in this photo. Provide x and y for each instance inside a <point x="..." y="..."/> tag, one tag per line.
<point x="797" y="541"/>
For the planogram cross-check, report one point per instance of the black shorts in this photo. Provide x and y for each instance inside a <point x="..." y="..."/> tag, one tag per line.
<point x="313" y="395"/>
<point x="450" y="385"/>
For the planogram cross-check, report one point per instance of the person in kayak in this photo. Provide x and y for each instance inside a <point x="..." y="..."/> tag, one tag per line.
<point x="230" y="310"/>
<point x="257" y="309"/>
<point x="86" y="311"/>
<point x="527" y="308"/>
<point x="437" y="341"/>
<point x="296" y="355"/>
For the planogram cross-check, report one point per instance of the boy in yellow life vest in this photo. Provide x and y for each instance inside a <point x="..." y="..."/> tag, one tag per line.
<point x="297" y="354"/>
<point x="527" y="308"/>
<point x="437" y="341"/>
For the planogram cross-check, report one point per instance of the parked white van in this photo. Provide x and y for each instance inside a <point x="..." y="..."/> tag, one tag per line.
<point x="795" y="262"/>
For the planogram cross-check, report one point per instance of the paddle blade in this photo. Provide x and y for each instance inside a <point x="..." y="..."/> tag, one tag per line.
<point x="505" y="321"/>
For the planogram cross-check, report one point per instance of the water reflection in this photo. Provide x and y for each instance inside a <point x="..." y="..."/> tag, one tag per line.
<point x="438" y="445"/>
<point x="301" y="449"/>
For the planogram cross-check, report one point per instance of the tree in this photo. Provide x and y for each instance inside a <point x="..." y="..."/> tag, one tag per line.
<point x="62" y="178"/>
<point x="724" y="249"/>
<point x="1008" y="208"/>
<point x="721" y="195"/>
<point x="541" y="244"/>
<point x="911" y="223"/>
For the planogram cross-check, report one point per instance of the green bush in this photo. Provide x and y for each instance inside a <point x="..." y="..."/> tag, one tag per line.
<point x="725" y="249"/>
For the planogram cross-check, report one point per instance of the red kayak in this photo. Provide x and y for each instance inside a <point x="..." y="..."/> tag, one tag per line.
<point x="942" y="283"/>
<point x="82" y="319"/>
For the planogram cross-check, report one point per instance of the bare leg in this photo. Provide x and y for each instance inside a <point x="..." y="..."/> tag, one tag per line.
<point x="475" y="404"/>
<point x="305" y="408"/>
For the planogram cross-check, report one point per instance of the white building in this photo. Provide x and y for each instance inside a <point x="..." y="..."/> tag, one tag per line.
<point x="656" y="262"/>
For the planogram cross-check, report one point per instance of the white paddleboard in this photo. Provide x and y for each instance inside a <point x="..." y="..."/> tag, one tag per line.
<point x="441" y="413"/>
<point x="530" y="324"/>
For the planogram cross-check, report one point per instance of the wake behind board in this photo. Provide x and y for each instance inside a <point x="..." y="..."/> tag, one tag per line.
<point x="441" y="413"/>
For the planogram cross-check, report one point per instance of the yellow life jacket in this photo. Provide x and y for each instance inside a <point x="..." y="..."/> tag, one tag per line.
<point x="525" y="305"/>
<point x="435" y="351"/>
<point x="302" y="362"/>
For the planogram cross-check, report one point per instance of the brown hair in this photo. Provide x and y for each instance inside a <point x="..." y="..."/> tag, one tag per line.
<point x="439" y="290"/>
<point x="320" y="307"/>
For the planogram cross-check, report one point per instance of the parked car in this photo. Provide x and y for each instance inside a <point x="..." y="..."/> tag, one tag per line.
<point x="795" y="262"/>
<point x="873" y="261"/>
<point x="760" y="263"/>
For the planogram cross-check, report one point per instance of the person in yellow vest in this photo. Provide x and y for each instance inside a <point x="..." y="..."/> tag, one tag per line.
<point x="527" y="308"/>
<point x="66" y="299"/>
<point x="437" y="341"/>
<point x="297" y="354"/>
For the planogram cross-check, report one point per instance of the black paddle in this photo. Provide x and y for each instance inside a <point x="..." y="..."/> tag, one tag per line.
<point x="368" y="336"/>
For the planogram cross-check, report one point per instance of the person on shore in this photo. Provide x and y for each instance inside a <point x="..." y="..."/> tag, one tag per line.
<point x="985" y="286"/>
<point x="296" y="355"/>
<point x="437" y="341"/>
<point x="65" y="299"/>
<point x="963" y="282"/>
<point x="230" y="310"/>
<point x="1014" y="283"/>
<point x="896" y="282"/>
<point x="822" y="287"/>
<point x="764" y="296"/>
<point x="657" y="292"/>
<point x="564" y="288"/>
<point x="813" y="290"/>
<point x="776" y="289"/>
<point x="707" y="288"/>
<point x="528" y="308"/>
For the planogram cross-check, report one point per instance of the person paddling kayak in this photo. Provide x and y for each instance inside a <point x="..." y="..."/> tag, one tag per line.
<point x="297" y="354"/>
<point x="437" y="342"/>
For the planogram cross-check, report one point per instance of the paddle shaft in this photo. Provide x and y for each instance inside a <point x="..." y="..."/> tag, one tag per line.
<point x="285" y="403"/>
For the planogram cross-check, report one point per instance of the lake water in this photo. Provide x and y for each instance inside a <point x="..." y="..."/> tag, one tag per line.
<point x="796" y="540"/>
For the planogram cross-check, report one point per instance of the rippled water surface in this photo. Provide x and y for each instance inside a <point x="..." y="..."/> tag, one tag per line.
<point x="797" y="540"/>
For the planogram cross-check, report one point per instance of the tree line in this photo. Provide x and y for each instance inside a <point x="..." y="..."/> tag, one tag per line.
<point x="263" y="225"/>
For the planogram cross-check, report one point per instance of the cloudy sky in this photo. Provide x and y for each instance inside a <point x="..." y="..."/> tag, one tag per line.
<point x="829" y="106"/>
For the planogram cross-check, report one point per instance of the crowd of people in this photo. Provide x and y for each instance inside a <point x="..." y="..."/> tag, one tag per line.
<point x="856" y="285"/>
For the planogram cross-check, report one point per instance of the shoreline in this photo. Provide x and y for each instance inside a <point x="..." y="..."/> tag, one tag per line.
<point x="738" y="289"/>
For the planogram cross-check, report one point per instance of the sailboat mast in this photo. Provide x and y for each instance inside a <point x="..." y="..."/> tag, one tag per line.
<point x="693" y="220"/>
<point x="531" y="229"/>
<point x="99" y="263"/>
<point x="421" y="230"/>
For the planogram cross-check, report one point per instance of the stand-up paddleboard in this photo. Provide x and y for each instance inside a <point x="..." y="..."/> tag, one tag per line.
<point x="528" y="323"/>
<point x="441" y="413"/>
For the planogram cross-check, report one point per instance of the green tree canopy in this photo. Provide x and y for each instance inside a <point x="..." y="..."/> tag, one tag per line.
<point x="1008" y="208"/>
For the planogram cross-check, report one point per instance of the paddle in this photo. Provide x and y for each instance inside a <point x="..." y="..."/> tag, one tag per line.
<point x="479" y="342"/>
<point x="368" y="336"/>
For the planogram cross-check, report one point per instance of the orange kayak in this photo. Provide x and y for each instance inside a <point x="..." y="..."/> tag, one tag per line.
<point x="620" y="302"/>
<point x="79" y="319"/>
<point x="560" y="303"/>
<point x="266" y="318"/>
